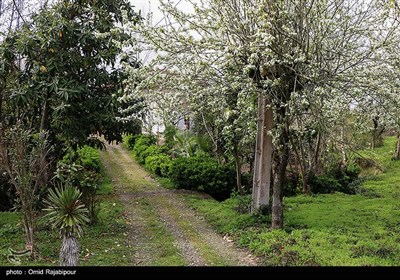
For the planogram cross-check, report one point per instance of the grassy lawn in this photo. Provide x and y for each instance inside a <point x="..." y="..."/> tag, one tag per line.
<point x="102" y="244"/>
<point x="326" y="229"/>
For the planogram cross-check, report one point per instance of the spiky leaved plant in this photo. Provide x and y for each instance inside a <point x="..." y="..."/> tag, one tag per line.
<point x="67" y="213"/>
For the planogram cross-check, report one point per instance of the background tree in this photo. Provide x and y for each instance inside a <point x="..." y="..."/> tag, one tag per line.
<point x="275" y="50"/>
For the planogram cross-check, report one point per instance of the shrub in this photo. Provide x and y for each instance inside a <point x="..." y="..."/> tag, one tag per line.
<point x="203" y="173"/>
<point x="141" y="144"/>
<point x="324" y="184"/>
<point x="89" y="158"/>
<point x="292" y="185"/>
<point x="343" y="180"/>
<point x="152" y="150"/>
<point x="129" y="141"/>
<point x="87" y="181"/>
<point x="158" y="164"/>
<point x="81" y="169"/>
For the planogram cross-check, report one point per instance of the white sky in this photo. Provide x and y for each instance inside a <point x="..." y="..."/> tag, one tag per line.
<point x="147" y="6"/>
<point x="152" y="6"/>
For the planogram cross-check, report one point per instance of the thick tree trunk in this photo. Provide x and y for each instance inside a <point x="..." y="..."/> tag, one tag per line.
<point x="281" y="162"/>
<point x="69" y="253"/>
<point x="266" y="159"/>
<point x="263" y="156"/>
<point x="281" y="158"/>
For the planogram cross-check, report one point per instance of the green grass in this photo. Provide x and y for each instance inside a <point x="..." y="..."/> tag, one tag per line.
<point x="326" y="229"/>
<point x="106" y="187"/>
<point x="161" y="241"/>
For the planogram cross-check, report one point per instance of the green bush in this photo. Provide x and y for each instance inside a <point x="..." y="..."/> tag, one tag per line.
<point x="89" y="158"/>
<point x="324" y="184"/>
<point x="158" y="164"/>
<point x="203" y="173"/>
<point x="141" y="144"/>
<point x="152" y="150"/>
<point x="129" y="141"/>
<point x="81" y="169"/>
<point x="343" y="180"/>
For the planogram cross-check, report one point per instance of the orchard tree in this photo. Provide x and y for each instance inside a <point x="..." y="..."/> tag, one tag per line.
<point x="279" y="51"/>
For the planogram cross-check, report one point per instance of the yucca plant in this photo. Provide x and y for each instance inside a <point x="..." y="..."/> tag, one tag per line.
<point x="67" y="213"/>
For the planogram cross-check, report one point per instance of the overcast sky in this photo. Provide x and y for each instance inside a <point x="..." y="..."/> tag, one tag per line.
<point x="152" y="6"/>
<point x="147" y="6"/>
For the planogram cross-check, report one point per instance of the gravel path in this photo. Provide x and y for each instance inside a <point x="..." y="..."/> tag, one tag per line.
<point x="149" y="206"/>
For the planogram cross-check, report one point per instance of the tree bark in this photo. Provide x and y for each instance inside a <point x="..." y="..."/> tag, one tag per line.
<point x="279" y="181"/>
<point x="44" y="121"/>
<point x="281" y="158"/>
<point x="263" y="156"/>
<point x="257" y="153"/>
<point x="343" y="148"/>
<point x="69" y="252"/>
<point x="396" y="155"/>
<point x="266" y="159"/>
<point x="238" y="166"/>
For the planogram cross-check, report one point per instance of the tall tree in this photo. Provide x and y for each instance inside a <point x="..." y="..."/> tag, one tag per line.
<point x="280" y="51"/>
<point x="69" y="82"/>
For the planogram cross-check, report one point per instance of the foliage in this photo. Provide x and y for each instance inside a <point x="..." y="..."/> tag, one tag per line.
<point x="67" y="213"/>
<point x="186" y="144"/>
<point x="158" y="164"/>
<point x="129" y="141"/>
<point x="203" y="173"/>
<point x="81" y="169"/>
<point x="111" y="229"/>
<point x="169" y="135"/>
<point x="310" y="63"/>
<point x="23" y="155"/>
<point x="141" y="144"/>
<point x="65" y="210"/>
<point x="89" y="158"/>
<point x="343" y="180"/>
<point x="69" y="83"/>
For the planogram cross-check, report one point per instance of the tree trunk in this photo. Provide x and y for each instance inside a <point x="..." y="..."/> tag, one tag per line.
<point x="44" y="122"/>
<point x="69" y="252"/>
<point x="343" y="148"/>
<point x="263" y="156"/>
<point x="238" y="166"/>
<point x="279" y="181"/>
<point x="257" y="153"/>
<point x="266" y="160"/>
<point x="396" y="155"/>
<point x="281" y="158"/>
